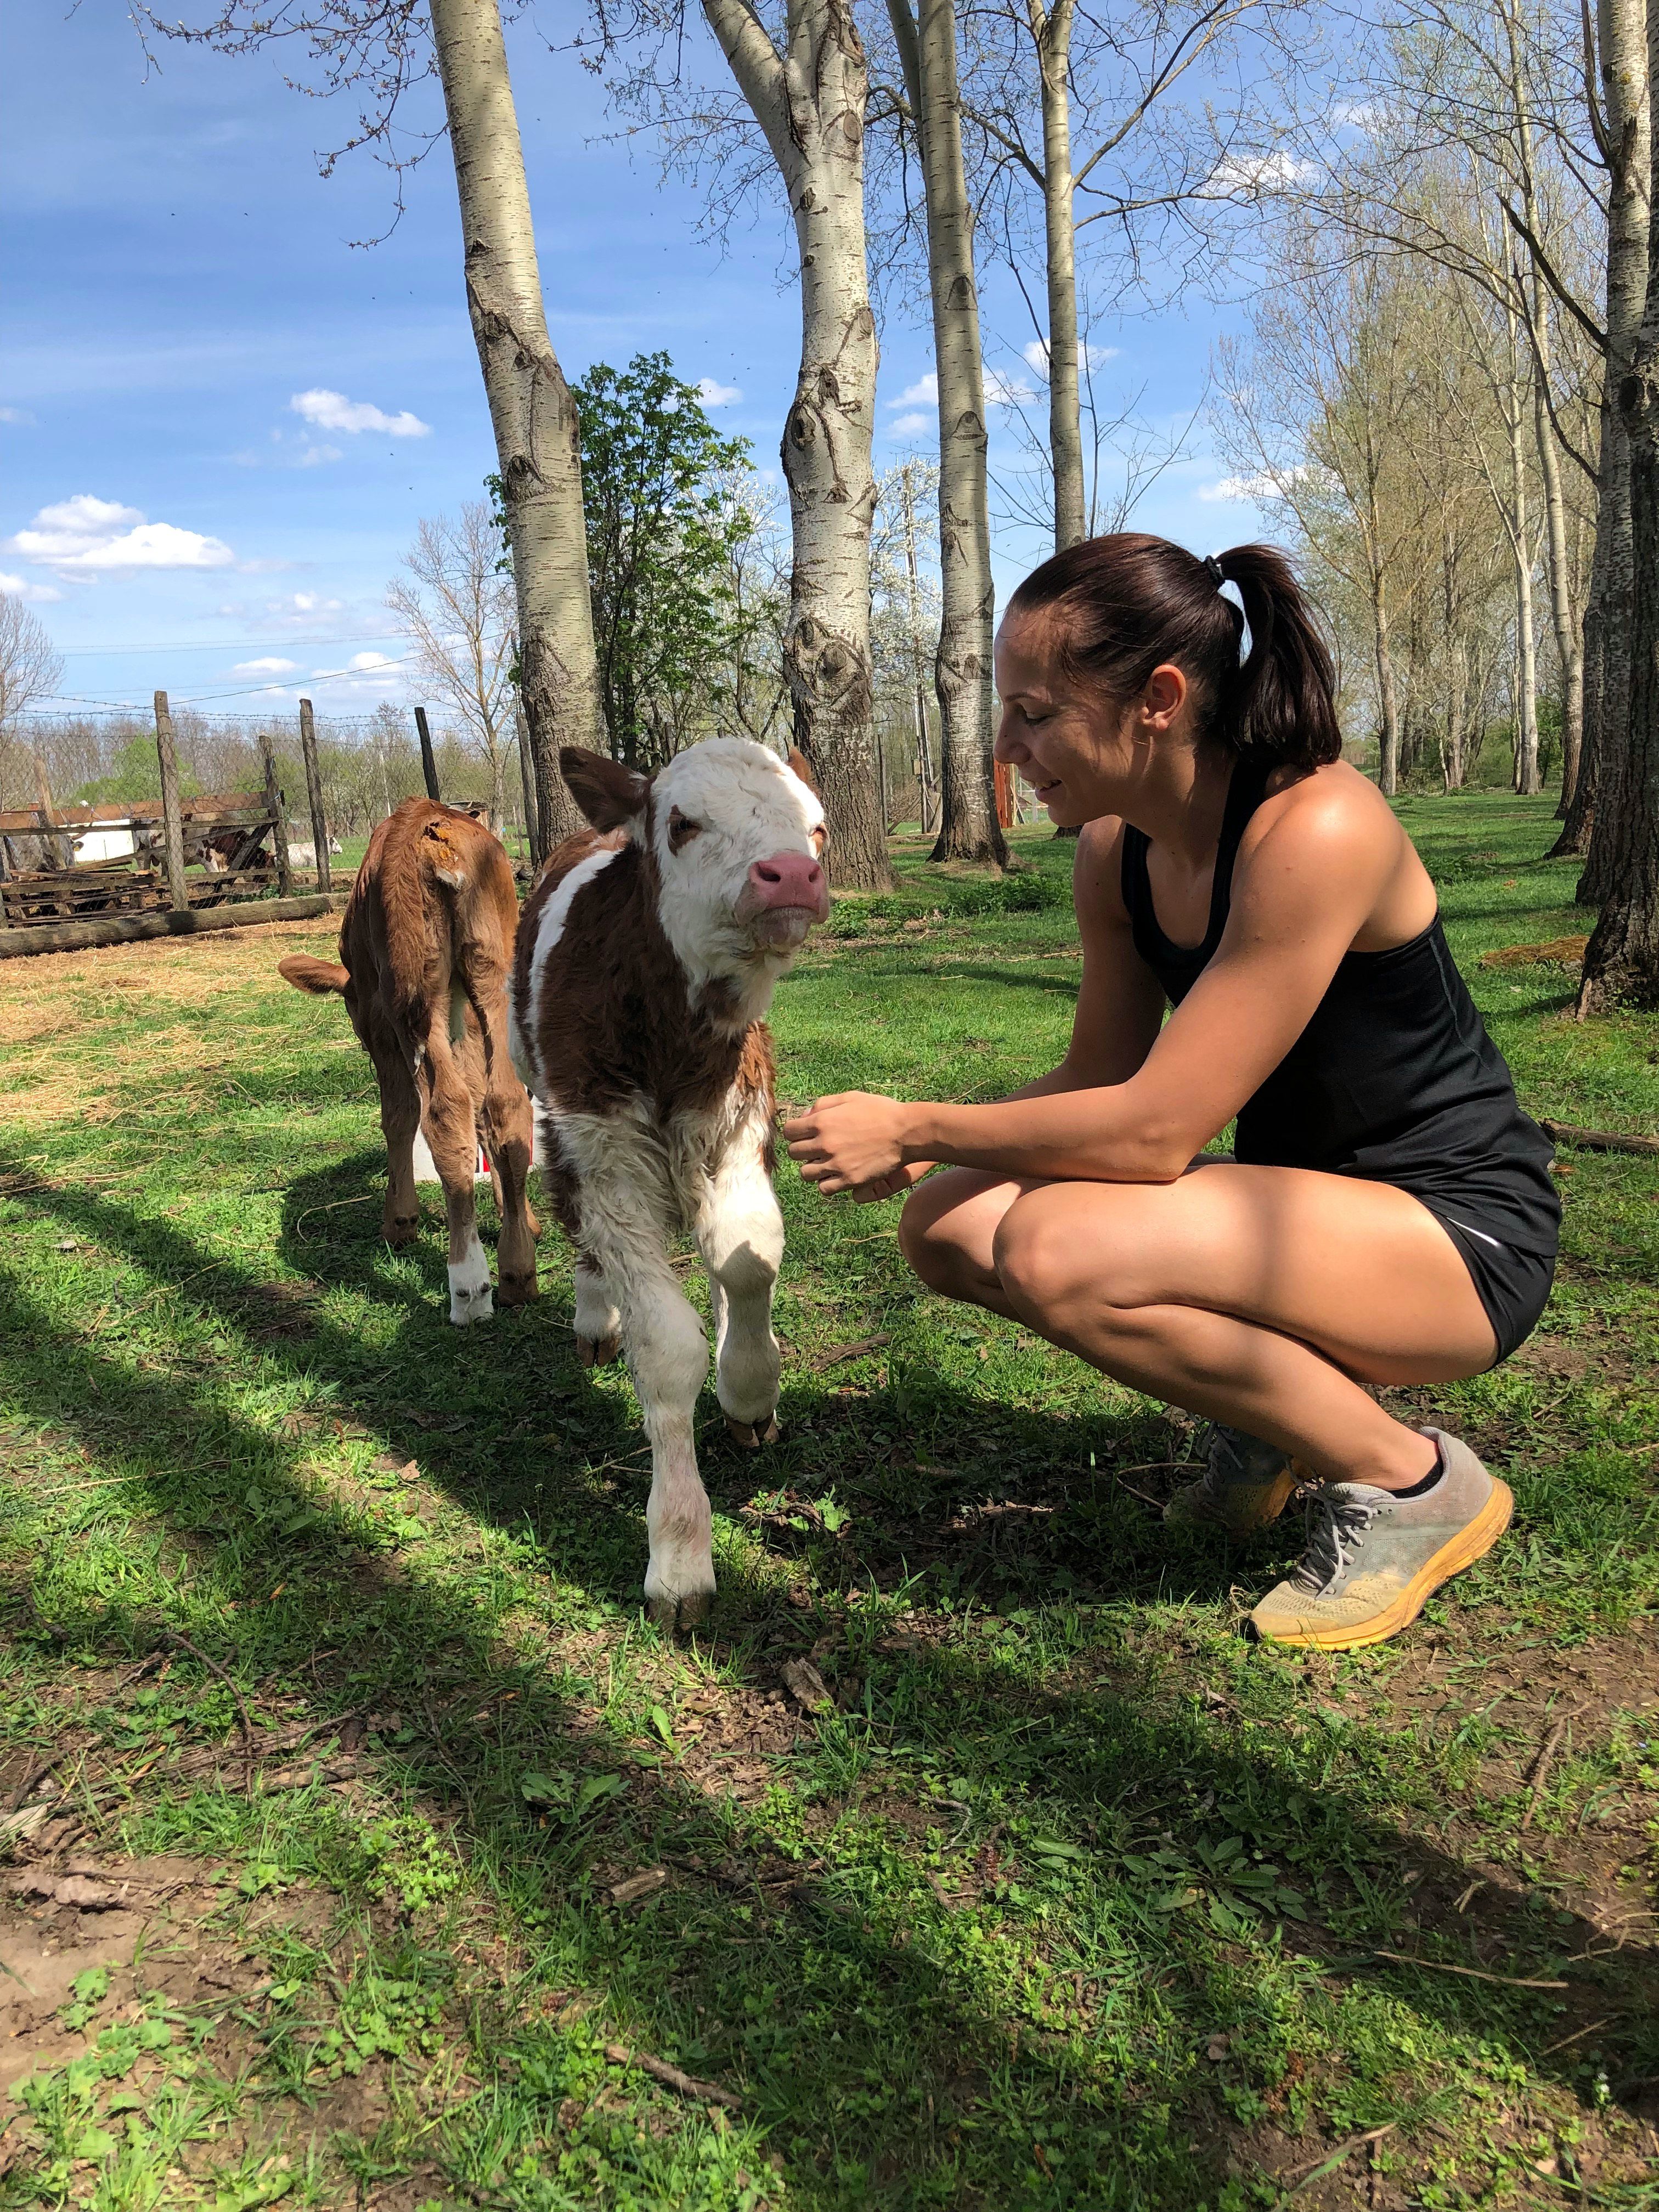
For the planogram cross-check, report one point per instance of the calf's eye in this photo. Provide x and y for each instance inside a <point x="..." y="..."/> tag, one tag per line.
<point x="681" y="830"/>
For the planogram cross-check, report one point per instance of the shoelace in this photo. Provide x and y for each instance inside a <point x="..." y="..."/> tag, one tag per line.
<point x="1336" y="1528"/>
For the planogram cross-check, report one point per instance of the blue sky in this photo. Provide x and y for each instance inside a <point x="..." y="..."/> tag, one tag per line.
<point x="220" y="420"/>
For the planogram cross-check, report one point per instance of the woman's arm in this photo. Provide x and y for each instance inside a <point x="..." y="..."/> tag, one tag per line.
<point x="1120" y="1003"/>
<point x="1304" y="893"/>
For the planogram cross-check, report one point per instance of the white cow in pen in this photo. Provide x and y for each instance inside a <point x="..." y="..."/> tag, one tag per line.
<point x="648" y="954"/>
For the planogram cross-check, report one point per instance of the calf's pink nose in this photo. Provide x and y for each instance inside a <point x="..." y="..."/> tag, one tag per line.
<point x="790" y="879"/>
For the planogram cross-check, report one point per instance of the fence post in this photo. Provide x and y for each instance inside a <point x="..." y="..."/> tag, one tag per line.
<point x="173" y="827"/>
<point x="429" y="761"/>
<point x="533" y="823"/>
<point x="274" y="800"/>
<point x="315" y="792"/>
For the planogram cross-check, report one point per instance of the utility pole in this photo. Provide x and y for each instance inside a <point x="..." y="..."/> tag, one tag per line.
<point x="924" y="767"/>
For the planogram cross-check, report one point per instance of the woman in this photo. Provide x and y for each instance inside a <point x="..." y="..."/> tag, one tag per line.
<point x="1387" y="1215"/>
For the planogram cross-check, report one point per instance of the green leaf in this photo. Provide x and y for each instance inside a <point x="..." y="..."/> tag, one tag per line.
<point x="127" y="2100"/>
<point x="601" y="1785"/>
<point x="544" y="1788"/>
<point x="94" y="2142"/>
<point x="90" y="1987"/>
<point x="834" y="1517"/>
<point x="1052" y="1848"/>
<point x="663" y="1725"/>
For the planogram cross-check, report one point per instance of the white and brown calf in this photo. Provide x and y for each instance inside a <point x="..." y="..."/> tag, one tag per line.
<point x="646" y="959"/>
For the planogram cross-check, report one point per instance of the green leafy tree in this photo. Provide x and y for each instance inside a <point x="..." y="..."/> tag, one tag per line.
<point x="664" y="537"/>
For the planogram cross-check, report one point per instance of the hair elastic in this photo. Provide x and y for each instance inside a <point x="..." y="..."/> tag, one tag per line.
<point x="1229" y="591"/>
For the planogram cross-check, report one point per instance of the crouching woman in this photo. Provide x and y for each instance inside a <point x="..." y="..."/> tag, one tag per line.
<point x="1387" y="1215"/>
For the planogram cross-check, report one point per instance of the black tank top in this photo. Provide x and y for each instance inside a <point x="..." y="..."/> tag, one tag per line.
<point x="1395" y="1078"/>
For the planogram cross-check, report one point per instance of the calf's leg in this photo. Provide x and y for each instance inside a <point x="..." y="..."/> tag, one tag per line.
<point x="599" y="1325"/>
<point x="452" y="1133"/>
<point x="400" y="1117"/>
<point x="509" y="1132"/>
<point x="740" y="1235"/>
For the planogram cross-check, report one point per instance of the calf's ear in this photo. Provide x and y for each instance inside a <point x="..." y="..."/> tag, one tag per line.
<point x="608" y="794"/>
<point x="799" y="766"/>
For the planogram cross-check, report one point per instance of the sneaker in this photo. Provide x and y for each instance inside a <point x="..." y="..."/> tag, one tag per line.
<point x="1246" y="1484"/>
<point x="1373" y="1560"/>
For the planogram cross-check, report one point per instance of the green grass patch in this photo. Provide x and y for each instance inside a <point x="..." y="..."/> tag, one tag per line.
<point x="407" y="1840"/>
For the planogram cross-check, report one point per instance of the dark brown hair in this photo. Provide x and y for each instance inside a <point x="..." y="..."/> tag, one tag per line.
<point x="1126" y="605"/>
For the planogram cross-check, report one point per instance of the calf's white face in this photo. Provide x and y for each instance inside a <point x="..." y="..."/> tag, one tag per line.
<point x="737" y="838"/>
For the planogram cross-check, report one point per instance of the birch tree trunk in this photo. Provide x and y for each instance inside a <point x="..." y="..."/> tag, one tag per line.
<point x="1622" y="29"/>
<point x="1526" y="637"/>
<point x="1388" y="765"/>
<point x="1052" y="34"/>
<point x="1621" y="962"/>
<point x="969" y="827"/>
<point x="530" y="408"/>
<point x="1569" y="631"/>
<point x="809" y="100"/>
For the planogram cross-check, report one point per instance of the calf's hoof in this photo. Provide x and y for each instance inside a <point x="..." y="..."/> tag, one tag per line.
<point x="752" y="1435"/>
<point x="598" y="1351"/>
<point x="673" y="1614"/>
<point x="399" y="1229"/>
<point x="518" y="1290"/>
<point x="470" y="1298"/>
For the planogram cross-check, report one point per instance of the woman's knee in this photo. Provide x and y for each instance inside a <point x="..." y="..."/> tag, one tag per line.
<point x="928" y="1239"/>
<point x="1035" y="1262"/>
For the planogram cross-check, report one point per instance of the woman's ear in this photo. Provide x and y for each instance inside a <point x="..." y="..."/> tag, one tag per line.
<point x="1165" y="695"/>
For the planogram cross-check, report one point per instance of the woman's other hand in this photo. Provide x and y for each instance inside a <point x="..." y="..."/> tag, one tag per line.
<point x="853" y="1142"/>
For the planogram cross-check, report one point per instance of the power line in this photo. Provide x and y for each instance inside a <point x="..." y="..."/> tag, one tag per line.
<point x="206" y="698"/>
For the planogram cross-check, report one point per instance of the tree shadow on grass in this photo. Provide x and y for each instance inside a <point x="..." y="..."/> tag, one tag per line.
<point x="895" y="2046"/>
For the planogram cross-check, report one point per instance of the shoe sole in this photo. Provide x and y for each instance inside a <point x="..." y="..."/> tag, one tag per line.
<point x="1471" y="1543"/>
<point x="1275" y="1498"/>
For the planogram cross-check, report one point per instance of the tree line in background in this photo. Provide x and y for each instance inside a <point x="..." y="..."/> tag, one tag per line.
<point x="1448" y="388"/>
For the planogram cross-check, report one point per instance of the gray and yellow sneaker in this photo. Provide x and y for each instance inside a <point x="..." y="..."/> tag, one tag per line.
<point x="1246" y="1484"/>
<point x="1373" y="1559"/>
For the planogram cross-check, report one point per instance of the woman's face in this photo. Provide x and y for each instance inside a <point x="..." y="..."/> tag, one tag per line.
<point x="1082" y="752"/>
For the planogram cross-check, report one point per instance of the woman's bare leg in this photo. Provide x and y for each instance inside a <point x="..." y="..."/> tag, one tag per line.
<point x="1262" y="1296"/>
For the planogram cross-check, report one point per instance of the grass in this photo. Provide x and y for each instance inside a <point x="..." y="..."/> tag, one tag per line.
<point x="327" y="1683"/>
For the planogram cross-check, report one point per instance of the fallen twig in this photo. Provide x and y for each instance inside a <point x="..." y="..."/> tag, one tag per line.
<point x="1578" y="2036"/>
<point x="1473" y="1973"/>
<point x="1599" y="1141"/>
<point x="684" y="2085"/>
<point x="1544" y="1760"/>
<point x="1339" y="2156"/>
<point x="214" y="1667"/>
<point x="839" y="1354"/>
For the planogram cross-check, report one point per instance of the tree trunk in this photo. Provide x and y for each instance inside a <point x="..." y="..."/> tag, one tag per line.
<point x="537" y="447"/>
<point x="1526" y="639"/>
<point x="810" y="101"/>
<point x="1569" y="632"/>
<point x="969" y="827"/>
<point x="1621" y="962"/>
<point x="1052" y="37"/>
<point x="1622" y="27"/>
<point x="1388" y="765"/>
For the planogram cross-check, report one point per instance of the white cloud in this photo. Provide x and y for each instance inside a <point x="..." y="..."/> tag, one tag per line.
<point x="15" y="415"/>
<point x="911" y="426"/>
<point x="1036" y="355"/>
<point x="269" y="665"/>
<point x="303" y="610"/>
<point x="332" y="410"/>
<point x="315" y="456"/>
<point x="18" y="587"/>
<point x="362" y="662"/>
<point x="1002" y="390"/>
<point x="714" y="394"/>
<point x="1264" y="484"/>
<point x="1253" y="176"/>
<point x="88" y="536"/>
<point x="924" y="388"/>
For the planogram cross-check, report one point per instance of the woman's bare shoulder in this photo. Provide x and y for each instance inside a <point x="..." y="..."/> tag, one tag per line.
<point x="1097" y="874"/>
<point x="1334" y="806"/>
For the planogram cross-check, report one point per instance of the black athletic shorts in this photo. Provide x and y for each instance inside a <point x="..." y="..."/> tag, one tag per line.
<point x="1514" y="1286"/>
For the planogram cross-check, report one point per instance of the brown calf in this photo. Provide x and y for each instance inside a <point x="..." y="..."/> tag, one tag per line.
<point x="426" y="946"/>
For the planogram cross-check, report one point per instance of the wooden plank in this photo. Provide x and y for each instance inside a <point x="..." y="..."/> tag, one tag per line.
<point x="275" y="802"/>
<point x="315" y="791"/>
<point x="172" y="825"/>
<point x="429" y="758"/>
<point x="128" y="929"/>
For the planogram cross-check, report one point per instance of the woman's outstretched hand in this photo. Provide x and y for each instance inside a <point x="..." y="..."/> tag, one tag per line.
<point x="852" y="1143"/>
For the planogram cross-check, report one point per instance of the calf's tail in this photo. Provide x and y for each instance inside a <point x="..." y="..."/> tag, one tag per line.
<point x="318" y="977"/>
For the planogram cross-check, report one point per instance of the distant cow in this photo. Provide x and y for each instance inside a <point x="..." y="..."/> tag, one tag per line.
<point x="426" y="946"/>
<point x="647" y="955"/>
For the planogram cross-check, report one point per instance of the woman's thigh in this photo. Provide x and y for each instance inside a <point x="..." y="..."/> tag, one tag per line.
<point x="1359" y="1270"/>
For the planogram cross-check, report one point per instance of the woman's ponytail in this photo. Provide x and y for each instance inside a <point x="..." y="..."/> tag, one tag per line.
<point x="1281" y="703"/>
<point x="1128" y="604"/>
